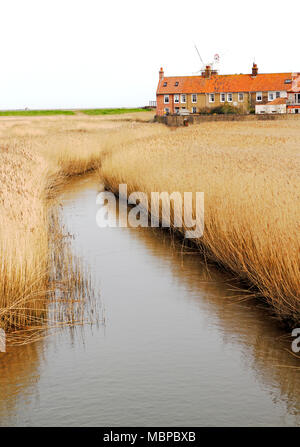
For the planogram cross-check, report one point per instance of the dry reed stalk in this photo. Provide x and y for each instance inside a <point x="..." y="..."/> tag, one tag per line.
<point x="33" y="297"/>
<point x="250" y="177"/>
<point x="249" y="173"/>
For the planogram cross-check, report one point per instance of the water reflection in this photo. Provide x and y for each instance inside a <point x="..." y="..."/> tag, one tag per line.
<point x="19" y="373"/>
<point x="266" y="346"/>
<point x="180" y="346"/>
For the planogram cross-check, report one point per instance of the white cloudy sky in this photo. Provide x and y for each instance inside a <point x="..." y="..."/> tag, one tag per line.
<point x="92" y="53"/>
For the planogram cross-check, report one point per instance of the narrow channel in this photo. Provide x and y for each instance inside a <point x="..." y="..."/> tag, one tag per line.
<point x="176" y="347"/>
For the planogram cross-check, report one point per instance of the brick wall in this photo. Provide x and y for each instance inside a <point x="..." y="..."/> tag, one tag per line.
<point x="235" y="101"/>
<point x="160" y="105"/>
<point x="202" y="102"/>
<point x="176" y="120"/>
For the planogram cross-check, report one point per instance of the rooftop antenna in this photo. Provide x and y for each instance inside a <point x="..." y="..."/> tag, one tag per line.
<point x="201" y="60"/>
<point x="216" y="61"/>
<point x="214" y="64"/>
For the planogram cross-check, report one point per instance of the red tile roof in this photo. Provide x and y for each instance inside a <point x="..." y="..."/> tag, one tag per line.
<point x="224" y="83"/>
<point x="277" y="101"/>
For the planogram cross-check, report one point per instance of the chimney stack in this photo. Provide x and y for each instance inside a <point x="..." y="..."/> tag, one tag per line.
<point x="207" y="72"/>
<point x="161" y="74"/>
<point x="254" y="69"/>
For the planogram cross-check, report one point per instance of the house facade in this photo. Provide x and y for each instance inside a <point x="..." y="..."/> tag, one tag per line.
<point x="196" y="93"/>
<point x="293" y="96"/>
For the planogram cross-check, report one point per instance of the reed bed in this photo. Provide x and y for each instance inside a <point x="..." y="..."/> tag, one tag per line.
<point x="23" y="236"/>
<point x="249" y="173"/>
<point x="42" y="285"/>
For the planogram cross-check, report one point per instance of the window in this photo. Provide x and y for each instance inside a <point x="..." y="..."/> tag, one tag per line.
<point x="166" y="99"/>
<point x="287" y="81"/>
<point x="258" y="96"/>
<point x="183" y="108"/>
<point x="194" y="97"/>
<point x="194" y="109"/>
<point x="222" y="97"/>
<point x="298" y="98"/>
<point x="241" y="97"/>
<point x="211" y="97"/>
<point x="167" y="110"/>
<point x="177" y="110"/>
<point x="271" y="96"/>
<point x="165" y="84"/>
<point x="176" y="84"/>
<point x="229" y="97"/>
<point x="176" y="99"/>
<point x="183" y="99"/>
<point x="277" y="94"/>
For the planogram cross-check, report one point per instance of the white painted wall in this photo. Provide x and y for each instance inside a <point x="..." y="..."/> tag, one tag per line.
<point x="270" y="108"/>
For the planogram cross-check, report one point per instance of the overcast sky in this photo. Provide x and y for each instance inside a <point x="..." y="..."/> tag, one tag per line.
<point x="92" y="53"/>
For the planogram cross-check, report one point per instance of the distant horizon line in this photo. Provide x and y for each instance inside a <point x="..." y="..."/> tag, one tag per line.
<point x="24" y="109"/>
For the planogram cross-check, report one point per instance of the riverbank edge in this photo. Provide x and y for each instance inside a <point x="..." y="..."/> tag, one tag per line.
<point x="250" y="290"/>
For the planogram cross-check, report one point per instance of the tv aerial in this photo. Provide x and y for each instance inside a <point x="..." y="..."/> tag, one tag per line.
<point x="214" y="65"/>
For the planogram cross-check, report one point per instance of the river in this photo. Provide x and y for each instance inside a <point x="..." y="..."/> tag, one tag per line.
<point x="174" y="346"/>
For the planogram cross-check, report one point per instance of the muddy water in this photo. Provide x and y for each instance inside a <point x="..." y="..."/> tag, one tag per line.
<point x="176" y="347"/>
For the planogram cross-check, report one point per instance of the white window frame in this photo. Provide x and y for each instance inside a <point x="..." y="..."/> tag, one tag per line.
<point x="166" y="99"/>
<point x="269" y="96"/>
<point x="194" y="95"/>
<point x="257" y="95"/>
<point x="240" y="100"/>
<point x="211" y="97"/>
<point x="183" y="98"/>
<point x="229" y="95"/>
<point x="194" y="109"/>
<point x="176" y="99"/>
<point x="222" y="94"/>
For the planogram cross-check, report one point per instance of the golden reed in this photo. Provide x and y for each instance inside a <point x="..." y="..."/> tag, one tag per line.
<point x="249" y="173"/>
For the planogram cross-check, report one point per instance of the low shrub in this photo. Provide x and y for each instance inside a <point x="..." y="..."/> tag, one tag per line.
<point x="226" y="109"/>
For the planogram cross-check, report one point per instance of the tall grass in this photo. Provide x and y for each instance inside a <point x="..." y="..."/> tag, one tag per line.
<point x="249" y="174"/>
<point x="23" y="236"/>
<point x="37" y="267"/>
<point x="38" y="273"/>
